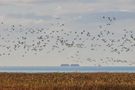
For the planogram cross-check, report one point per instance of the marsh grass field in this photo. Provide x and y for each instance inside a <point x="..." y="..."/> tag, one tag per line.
<point x="67" y="81"/>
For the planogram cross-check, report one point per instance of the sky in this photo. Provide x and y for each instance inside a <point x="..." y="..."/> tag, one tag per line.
<point x="76" y="16"/>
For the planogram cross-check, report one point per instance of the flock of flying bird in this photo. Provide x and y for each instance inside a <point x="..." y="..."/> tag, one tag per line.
<point x="32" y="40"/>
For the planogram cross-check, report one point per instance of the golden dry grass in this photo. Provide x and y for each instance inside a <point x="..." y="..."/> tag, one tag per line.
<point x="67" y="81"/>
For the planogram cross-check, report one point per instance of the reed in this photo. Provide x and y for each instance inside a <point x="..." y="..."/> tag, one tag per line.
<point x="67" y="81"/>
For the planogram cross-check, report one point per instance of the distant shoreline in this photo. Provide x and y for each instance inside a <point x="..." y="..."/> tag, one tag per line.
<point x="67" y="69"/>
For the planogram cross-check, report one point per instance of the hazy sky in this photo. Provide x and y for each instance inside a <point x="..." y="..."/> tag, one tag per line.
<point x="76" y="15"/>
